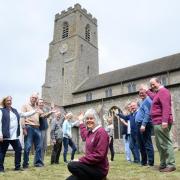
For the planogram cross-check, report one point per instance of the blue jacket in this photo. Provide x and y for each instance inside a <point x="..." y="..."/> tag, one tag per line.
<point x="6" y="122"/>
<point x="143" y="113"/>
<point x="131" y="118"/>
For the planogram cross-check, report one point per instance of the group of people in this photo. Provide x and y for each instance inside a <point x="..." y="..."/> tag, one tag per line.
<point x="153" y="111"/>
<point x="93" y="165"/>
<point x="34" y="125"/>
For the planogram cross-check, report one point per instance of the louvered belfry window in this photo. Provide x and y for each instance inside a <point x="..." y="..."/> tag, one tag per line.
<point x="65" y="32"/>
<point x="87" y="32"/>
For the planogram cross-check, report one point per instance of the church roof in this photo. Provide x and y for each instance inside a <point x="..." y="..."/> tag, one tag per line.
<point x="150" y="68"/>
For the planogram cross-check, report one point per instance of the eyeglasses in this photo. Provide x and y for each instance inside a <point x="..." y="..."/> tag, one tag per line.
<point x="90" y="118"/>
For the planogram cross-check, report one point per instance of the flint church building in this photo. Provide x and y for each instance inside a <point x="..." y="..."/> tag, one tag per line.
<point x="73" y="81"/>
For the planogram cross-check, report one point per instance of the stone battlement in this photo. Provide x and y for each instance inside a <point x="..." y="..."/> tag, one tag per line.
<point x="77" y="7"/>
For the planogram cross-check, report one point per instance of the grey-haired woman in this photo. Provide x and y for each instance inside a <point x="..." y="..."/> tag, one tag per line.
<point x="94" y="164"/>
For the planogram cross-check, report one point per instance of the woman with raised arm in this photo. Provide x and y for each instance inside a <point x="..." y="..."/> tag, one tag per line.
<point x="94" y="164"/>
<point x="10" y="131"/>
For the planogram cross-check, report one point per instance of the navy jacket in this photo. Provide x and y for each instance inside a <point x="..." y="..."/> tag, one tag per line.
<point x="131" y="118"/>
<point x="6" y="122"/>
<point x="43" y="123"/>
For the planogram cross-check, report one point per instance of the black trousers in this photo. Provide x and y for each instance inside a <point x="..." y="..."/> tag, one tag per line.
<point x="111" y="147"/>
<point x="56" y="151"/>
<point x="82" y="171"/>
<point x="16" y="147"/>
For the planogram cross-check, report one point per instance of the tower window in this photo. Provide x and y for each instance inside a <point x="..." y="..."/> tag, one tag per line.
<point x="65" y="32"/>
<point x="88" y="70"/>
<point x="87" y="32"/>
<point x="89" y="96"/>
<point x="108" y="92"/>
<point x="62" y="71"/>
<point x="131" y="87"/>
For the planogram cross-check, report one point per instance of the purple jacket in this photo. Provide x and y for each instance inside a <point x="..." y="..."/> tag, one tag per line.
<point x="97" y="144"/>
<point x="161" y="106"/>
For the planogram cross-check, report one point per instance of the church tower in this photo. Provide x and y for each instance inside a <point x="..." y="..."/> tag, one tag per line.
<point x="73" y="55"/>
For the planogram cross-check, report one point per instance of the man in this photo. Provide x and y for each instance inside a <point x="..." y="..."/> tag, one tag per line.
<point x="31" y="133"/>
<point x="162" y="120"/>
<point x="133" y="131"/>
<point x="144" y="126"/>
<point x="56" y="137"/>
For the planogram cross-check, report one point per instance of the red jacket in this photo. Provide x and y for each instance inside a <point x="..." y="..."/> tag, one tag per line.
<point x="97" y="144"/>
<point x="161" y="106"/>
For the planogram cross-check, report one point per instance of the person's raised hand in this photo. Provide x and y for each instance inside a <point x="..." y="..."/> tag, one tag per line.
<point x="81" y="117"/>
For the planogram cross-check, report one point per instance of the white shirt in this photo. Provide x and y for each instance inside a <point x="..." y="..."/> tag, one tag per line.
<point x="13" y="124"/>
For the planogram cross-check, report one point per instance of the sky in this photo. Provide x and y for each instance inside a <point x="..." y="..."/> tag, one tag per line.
<point x="129" y="32"/>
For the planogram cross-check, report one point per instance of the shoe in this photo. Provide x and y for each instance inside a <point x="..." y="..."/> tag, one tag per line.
<point x="38" y="165"/>
<point x="25" y="166"/>
<point x="161" y="167"/>
<point x="18" y="169"/>
<point x="2" y="171"/>
<point x="143" y="164"/>
<point x="168" y="169"/>
<point x="66" y="162"/>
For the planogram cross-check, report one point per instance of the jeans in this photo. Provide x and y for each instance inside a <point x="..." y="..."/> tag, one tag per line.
<point x="145" y="145"/>
<point x="43" y="143"/>
<point x="66" y="142"/>
<point x="56" y="151"/>
<point x="33" y="136"/>
<point x="126" y="139"/>
<point x="82" y="171"/>
<point x="16" y="147"/>
<point x="134" y="147"/>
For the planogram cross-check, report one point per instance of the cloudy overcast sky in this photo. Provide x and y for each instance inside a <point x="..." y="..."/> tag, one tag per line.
<point x="129" y="32"/>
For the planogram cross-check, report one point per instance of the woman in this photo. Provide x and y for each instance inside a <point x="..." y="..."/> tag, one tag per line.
<point x="67" y="136"/>
<point x="110" y="131"/>
<point x="10" y="131"/>
<point x="94" y="164"/>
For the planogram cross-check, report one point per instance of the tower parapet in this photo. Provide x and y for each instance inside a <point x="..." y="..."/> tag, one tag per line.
<point x="77" y="7"/>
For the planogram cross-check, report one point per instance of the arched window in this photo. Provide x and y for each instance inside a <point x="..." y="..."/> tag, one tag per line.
<point x="87" y="32"/>
<point x="108" y="92"/>
<point x="65" y="29"/>
<point x="116" y="122"/>
<point x="89" y="96"/>
<point x="131" y="87"/>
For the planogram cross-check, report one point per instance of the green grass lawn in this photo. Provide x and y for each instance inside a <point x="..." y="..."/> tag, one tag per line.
<point x="119" y="170"/>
